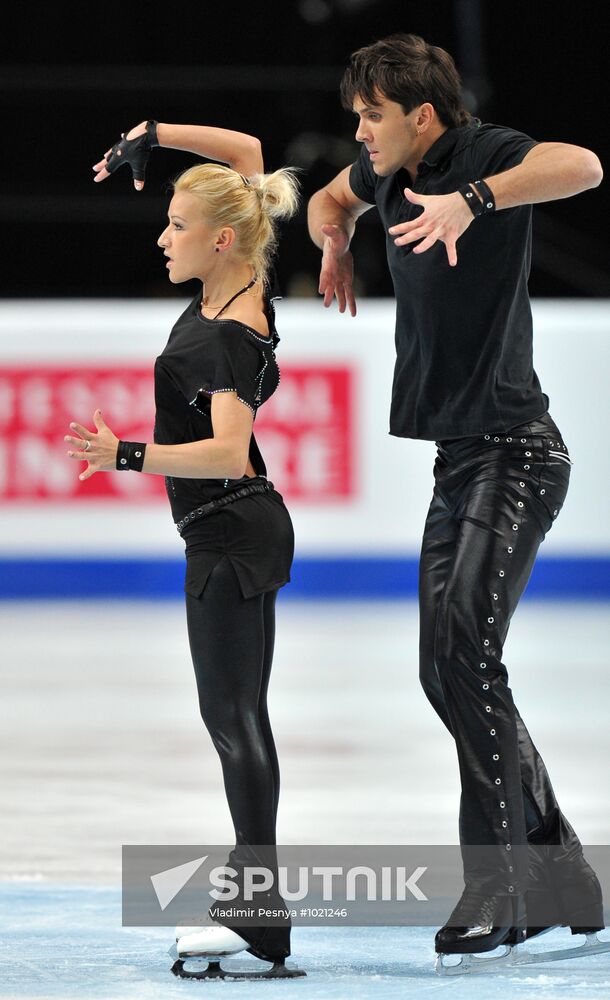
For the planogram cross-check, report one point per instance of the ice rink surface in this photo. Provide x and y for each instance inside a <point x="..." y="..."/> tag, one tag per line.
<point x="67" y="943"/>
<point x="102" y="746"/>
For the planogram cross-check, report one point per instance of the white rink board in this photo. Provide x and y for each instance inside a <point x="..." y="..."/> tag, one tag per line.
<point x="393" y="476"/>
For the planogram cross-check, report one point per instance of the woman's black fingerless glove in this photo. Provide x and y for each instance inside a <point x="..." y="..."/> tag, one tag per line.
<point x="135" y="152"/>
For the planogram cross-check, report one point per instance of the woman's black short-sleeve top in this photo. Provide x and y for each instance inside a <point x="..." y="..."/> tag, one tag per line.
<point x="202" y="357"/>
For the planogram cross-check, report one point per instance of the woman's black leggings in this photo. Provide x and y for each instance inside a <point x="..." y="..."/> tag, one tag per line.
<point x="232" y="640"/>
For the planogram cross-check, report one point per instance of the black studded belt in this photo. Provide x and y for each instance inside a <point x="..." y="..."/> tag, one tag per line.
<point x="213" y="506"/>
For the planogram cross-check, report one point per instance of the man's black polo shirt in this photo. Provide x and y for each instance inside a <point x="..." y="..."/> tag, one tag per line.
<point x="463" y="333"/>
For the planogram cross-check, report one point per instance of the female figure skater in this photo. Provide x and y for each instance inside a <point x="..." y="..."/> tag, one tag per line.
<point x="217" y="369"/>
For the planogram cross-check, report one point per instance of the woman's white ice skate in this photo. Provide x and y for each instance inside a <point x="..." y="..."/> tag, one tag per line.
<point x="210" y="944"/>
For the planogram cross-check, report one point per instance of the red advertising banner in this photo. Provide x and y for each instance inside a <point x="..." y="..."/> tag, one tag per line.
<point x="305" y="431"/>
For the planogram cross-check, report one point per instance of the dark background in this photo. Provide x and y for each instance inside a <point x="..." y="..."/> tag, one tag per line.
<point x="74" y="76"/>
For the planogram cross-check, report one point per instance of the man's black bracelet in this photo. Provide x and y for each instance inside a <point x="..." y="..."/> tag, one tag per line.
<point x="130" y="455"/>
<point x="476" y="206"/>
<point x="489" y="202"/>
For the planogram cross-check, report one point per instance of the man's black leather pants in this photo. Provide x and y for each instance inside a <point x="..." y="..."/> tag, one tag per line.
<point x="495" y="498"/>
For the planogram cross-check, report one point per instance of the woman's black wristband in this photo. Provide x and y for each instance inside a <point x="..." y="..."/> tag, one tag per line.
<point x="151" y="132"/>
<point x="130" y="455"/>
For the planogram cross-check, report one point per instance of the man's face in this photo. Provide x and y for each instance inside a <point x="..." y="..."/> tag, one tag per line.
<point x="389" y="135"/>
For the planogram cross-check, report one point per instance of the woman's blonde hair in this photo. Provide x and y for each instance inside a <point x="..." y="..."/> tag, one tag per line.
<point x="251" y="206"/>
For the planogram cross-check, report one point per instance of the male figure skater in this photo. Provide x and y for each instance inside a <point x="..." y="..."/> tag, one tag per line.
<point x="455" y="198"/>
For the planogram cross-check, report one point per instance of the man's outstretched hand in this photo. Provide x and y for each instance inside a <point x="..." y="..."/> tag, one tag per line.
<point x="337" y="272"/>
<point x="445" y="218"/>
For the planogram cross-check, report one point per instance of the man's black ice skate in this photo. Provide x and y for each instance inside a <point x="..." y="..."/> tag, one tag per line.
<point x="568" y="894"/>
<point x="571" y="896"/>
<point x="481" y="922"/>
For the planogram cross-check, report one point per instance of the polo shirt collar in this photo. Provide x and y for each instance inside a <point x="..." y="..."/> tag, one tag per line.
<point x="439" y="151"/>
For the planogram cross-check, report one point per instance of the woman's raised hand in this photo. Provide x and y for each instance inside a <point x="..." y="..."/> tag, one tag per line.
<point x="133" y="148"/>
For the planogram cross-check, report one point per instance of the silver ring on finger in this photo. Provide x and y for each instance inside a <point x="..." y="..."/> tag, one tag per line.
<point x="87" y="446"/>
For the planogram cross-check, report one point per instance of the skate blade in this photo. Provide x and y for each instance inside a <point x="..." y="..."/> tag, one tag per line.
<point x="515" y="956"/>
<point x="214" y="970"/>
<point x="474" y="963"/>
<point x="593" y="945"/>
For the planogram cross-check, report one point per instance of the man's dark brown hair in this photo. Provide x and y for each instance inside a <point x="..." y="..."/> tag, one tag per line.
<point x="405" y="69"/>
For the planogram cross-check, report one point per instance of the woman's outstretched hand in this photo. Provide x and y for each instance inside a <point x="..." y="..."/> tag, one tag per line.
<point x="98" y="448"/>
<point x="134" y="148"/>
